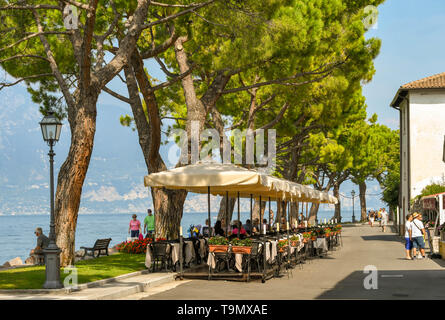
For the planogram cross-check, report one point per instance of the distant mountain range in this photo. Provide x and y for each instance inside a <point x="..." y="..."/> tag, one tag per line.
<point x="114" y="183"/>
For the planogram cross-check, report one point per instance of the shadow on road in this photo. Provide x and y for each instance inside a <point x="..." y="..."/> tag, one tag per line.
<point x="391" y="285"/>
<point x="382" y="237"/>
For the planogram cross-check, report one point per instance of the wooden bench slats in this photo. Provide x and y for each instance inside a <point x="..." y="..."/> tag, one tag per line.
<point x="99" y="245"/>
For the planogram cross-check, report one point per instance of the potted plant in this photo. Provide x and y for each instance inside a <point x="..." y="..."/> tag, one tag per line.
<point x="282" y="245"/>
<point x="320" y="232"/>
<point x="306" y="236"/>
<point x="218" y="244"/>
<point x="294" y="241"/>
<point x="241" y="246"/>
<point x="338" y="228"/>
<point x="327" y="232"/>
<point x="314" y="235"/>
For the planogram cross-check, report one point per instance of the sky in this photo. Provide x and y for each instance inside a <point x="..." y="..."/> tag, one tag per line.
<point x="413" y="47"/>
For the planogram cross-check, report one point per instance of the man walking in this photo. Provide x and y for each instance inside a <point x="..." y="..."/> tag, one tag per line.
<point x="417" y="233"/>
<point x="149" y="224"/>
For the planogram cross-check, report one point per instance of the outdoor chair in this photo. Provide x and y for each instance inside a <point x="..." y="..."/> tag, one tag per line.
<point x="100" y="245"/>
<point x="161" y="253"/>
<point x="222" y="258"/>
<point x="256" y="255"/>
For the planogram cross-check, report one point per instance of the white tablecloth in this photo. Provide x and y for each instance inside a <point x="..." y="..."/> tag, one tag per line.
<point x="271" y="254"/>
<point x="321" y="243"/>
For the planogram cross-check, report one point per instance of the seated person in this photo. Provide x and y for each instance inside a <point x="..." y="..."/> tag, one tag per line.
<point x="207" y="231"/>
<point x="235" y="227"/>
<point x="255" y="227"/>
<point x="42" y="243"/>
<point x="248" y="226"/>
<point x="219" y="231"/>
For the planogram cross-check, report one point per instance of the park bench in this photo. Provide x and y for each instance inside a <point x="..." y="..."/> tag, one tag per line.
<point x="100" y="245"/>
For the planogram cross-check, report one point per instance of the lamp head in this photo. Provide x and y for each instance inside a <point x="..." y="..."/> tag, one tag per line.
<point x="51" y="128"/>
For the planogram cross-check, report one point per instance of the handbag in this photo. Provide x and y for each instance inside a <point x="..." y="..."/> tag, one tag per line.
<point x="141" y="237"/>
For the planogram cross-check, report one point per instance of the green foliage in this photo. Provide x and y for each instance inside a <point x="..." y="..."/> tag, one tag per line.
<point x="241" y="242"/>
<point x="218" y="240"/>
<point x="433" y="188"/>
<point x="391" y="186"/>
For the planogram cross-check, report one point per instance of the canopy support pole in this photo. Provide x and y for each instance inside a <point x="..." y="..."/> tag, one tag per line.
<point x="251" y="221"/>
<point x="269" y="214"/>
<point x="239" y="219"/>
<point x="227" y="213"/>
<point x="263" y="232"/>
<point x="288" y="239"/>
<point x="261" y="218"/>
<point x="208" y="206"/>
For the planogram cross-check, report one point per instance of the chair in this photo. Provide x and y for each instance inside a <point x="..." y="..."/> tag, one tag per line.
<point x="100" y="245"/>
<point x="256" y="255"/>
<point x="161" y="253"/>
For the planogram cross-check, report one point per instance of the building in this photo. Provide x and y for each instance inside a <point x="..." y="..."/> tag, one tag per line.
<point x="421" y="106"/>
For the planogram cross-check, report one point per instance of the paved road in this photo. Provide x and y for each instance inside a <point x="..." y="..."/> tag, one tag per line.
<point x="339" y="276"/>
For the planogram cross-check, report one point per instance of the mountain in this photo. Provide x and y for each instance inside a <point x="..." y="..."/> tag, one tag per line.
<point x="114" y="182"/>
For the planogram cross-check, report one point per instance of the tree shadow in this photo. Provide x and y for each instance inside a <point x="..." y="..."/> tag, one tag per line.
<point x="390" y="285"/>
<point x="382" y="237"/>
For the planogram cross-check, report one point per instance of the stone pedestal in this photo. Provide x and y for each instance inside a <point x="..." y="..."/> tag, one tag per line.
<point x="52" y="262"/>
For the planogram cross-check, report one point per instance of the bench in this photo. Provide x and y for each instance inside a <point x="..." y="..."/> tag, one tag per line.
<point x="100" y="245"/>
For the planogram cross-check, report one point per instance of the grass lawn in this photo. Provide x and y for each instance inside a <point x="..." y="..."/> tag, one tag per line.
<point x="87" y="271"/>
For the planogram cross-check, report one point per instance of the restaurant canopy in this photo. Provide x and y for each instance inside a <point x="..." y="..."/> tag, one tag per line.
<point x="222" y="179"/>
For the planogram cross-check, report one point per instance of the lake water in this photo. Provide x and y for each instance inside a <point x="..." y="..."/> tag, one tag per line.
<point x="17" y="232"/>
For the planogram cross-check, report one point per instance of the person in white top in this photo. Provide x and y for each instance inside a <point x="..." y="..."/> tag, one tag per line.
<point x="408" y="241"/>
<point x="384" y="220"/>
<point x="417" y="234"/>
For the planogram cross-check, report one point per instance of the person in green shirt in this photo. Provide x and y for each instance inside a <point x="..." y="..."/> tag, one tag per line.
<point x="149" y="224"/>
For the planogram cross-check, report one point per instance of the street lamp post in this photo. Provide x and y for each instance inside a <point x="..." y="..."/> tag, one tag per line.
<point x="353" y="202"/>
<point x="51" y="128"/>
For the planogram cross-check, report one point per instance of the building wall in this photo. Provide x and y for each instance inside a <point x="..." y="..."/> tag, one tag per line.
<point x="404" y="161"/>
<point x="426" y="130"/>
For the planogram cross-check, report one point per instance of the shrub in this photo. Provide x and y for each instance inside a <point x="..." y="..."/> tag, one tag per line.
<point x="218" y="240"/>
<point x="134" y="247"/>
<point x="242" y="243"/>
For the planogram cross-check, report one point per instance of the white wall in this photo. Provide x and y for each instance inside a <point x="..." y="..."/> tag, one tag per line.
<point x="427" y="130"/>
<point x="404" y="161"/>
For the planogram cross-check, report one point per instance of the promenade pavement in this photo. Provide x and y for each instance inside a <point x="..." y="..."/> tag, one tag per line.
<point x="338" y="276"/>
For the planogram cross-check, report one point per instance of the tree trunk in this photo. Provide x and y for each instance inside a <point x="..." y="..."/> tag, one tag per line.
<point x="313" y="212"/>
<point x="362" y="187"/>
<point x="72" y="175"/>
<point x="337" y="214"/>
<point x="294" y="211"/>
<point x="256" y="210"/>
<point x="222" y="209"/>
<point x="167" y="204"/>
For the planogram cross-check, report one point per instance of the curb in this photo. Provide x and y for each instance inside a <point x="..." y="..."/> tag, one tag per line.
<point x="141" y="287"/>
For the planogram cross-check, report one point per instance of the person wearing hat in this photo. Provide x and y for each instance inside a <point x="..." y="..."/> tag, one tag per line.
<point x="417" y="234"/>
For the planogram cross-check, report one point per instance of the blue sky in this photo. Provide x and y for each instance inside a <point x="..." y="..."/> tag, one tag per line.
<point x="413" y="47"/>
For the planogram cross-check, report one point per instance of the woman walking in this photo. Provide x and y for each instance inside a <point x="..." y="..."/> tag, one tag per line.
<point x="408" y="241"/>
<point x="135" y="227"/>
<point x="371" y="218"/>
